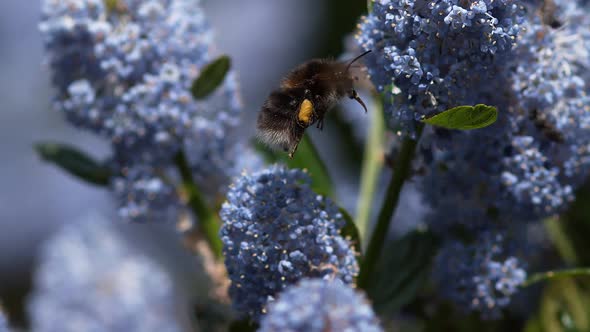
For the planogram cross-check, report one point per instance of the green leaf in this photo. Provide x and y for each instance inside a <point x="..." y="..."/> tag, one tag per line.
<point x="308" y="158"/>
<point x="402" y="271"/>
<point x="211" y="77"/>
<point x="564" y="307"/>
<point x="464" y="117"/>
<point x="574" y="227"/>
<point x="74" y="162"/>
<point x="562" y="241"/>
<point x="243" y="325"/>
<point x="534" y="324"/>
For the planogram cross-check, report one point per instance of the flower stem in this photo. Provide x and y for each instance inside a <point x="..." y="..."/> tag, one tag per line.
<point x="549" y="275"/>
<point x="372" y="164"/>
<point x="370" y="6"/>
<point x="403" y="163"/>
<point x="208" y="221"/>
<point x="561" y="241"/>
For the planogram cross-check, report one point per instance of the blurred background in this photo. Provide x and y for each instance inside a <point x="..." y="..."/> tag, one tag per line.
<point x="264" y="38"/>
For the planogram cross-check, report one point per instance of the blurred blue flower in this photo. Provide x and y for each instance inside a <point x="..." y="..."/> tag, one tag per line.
<point x="144" y="196"/>
<point x="427" y="55"/>
<point x="126" y="73"/>
<point x="3" y="323"/>
<point x="494" y="180"/>
<point x="480" y="276"/>
<point x="89" y="279"/>
<point x="527" y="165"/>
<point x="276" y="231"/>
<point x="315" y="305"/>
<point x="551" y="88"/>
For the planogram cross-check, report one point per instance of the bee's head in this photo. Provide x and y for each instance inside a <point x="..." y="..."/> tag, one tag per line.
<point x="352" y="94"/>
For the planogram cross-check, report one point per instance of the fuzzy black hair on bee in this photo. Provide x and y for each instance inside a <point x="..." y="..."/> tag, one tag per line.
<point x="304" y="97"/>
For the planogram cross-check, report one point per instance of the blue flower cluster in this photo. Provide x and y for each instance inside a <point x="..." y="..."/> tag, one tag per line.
<point x="215" y="163"/>
<point x="125" y="73"/>
<point x="145" y="195"/>
<point x="89" y="279"/>
<point x="3" y="323"/>
<point x="315" y="305"/>
<point x="276" y="231"/>
<point x="527" y="165"/>
<point x="429" y="54"/>
<point x="481" y="275"/>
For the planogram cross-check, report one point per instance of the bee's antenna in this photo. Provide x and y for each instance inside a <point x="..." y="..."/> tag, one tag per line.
<point x="358" y="57"/>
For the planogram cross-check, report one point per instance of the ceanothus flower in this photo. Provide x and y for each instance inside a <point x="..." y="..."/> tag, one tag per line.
<point x="143" y="195"/>
<point x="277" y="230"/>
<point x="3" y="323"/>
<point x="528" y="164"/>
<point x="480" y="276"/>
<point x="550" y="82"/>
<point x="89" y="279"/>
<point x="525" y="166"/>
<point x="428" y="54"/>
<point x="530" y="180"/>
<point x="126" y="72"/>
<point x="316" y="305"/>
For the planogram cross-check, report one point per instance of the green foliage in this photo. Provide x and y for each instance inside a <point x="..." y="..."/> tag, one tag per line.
<point x="565" y="304"/>
<point x="575" y="226"/>
<point x="447" y="319"/>
<point x="564" y="308"/>
<point x="74" y="162"/>
<point x="209" y="222"/>
<point x="307" y="158"/>
<point x="211" y="77"/>
<point x="400" y="175"/>
<point x="402" y="271"/>
<point x="243" y="325"/>
<point x="371" y="168"/>
<point x="464" y="117"/>
<point x="111" y="5"/>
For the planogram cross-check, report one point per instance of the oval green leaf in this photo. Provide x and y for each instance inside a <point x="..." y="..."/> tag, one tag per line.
<point x="211" y="77"/>
<point x="74" y="162"/>
<point x="464" y="117"/>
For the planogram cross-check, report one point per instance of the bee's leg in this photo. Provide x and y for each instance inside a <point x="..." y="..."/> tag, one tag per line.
<point x="296" y="136"/>
<point x="292" y="152"/>
<point x="320" y="124"/>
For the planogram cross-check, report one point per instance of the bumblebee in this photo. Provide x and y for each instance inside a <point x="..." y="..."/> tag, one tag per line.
<point x="303" y="98"/>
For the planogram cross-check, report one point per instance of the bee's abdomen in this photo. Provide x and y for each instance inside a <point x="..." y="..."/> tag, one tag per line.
<point x="277" y="121"/>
